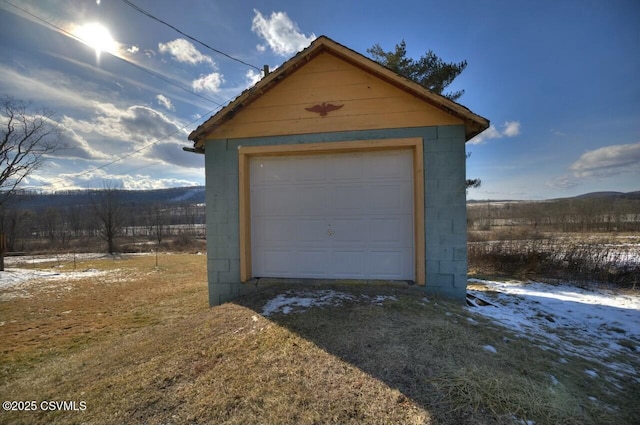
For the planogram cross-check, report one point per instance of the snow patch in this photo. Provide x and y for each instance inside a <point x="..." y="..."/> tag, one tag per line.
<point x="60" y="258"/>
<point x="591" y="373"/>
<point x="284" y="303"/>
<point x="523" y="421"/>
<point x="490" y="348"/>
<point x="380" y="299"/>
<point x="571" y="320"/>
<point x="300" y="300"/>
<point x="20" y="283"/>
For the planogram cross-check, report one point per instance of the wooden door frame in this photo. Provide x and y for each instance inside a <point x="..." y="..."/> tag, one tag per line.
<point x="245" y="153"/>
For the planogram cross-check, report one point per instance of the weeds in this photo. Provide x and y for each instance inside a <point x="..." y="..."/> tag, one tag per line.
<point x="579" y="261"/>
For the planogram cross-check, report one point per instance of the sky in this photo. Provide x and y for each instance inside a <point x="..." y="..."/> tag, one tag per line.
<point x="557" y="79"/>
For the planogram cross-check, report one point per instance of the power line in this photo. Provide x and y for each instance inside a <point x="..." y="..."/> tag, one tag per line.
<point x="140" y="67"/>
<point x="144" y="12"/>
<point x="167" y="80"/>
<point x="159" y="76"/>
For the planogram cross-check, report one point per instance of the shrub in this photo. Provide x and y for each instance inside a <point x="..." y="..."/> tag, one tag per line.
<point x="578" y="261"/>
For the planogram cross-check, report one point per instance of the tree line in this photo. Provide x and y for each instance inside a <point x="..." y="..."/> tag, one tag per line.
<point x="105" y="220"/>
<point x="599" y="214"/>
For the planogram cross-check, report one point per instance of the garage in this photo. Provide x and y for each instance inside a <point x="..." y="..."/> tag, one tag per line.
<point x="334" y="167"/>
<point x="333" y="216"/>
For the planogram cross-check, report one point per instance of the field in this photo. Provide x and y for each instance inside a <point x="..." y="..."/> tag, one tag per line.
<point x="123" y="341"/>
<point x="584" y="259"/>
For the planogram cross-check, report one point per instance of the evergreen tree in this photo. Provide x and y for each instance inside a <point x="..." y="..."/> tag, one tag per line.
<point x="429" y="71"/>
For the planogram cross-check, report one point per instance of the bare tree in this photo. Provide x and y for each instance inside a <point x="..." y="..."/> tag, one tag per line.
<point x="107" y="206"/>
<point x="26" y="138"/>
<point x="158" y="223"/>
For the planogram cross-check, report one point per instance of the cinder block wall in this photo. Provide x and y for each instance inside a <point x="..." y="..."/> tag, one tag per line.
<point x="445" y="206"/>
<point x="446" y="213"/>
<point x="223" y="241"/>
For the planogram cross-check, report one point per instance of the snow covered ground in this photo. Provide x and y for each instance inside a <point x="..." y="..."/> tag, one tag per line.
<point x="22" y="277"/>
<point x="588" y="323"/>
<point x="300" y="300"/>
<point x="60" y="258"/>
<point x="22" y="283"/>
<point x="592" y="324"/>
<point x="596" y="324"/>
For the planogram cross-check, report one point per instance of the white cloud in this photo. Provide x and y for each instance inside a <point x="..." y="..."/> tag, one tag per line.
<point x="608" y="161"/>
<point x="252" y="77"/>
<point x="44" y="85"/>
<point x="165" y="101"/>
<point x="281" y="34"/>
<point x="509" y="129"/>
<point x="561" y="182"/>
<point x="133" y="49"/>
<point x="98" y="178"/>
<point x="185" y="52"/>
<point x="135" y="127"/>
<point x="209" y="82"/>
<point x="118" y="130"/>
<point x="261" y="48"/>
<point x="489" y="133"/>
<point x="171" y="153"/>
<point x="75" y="146"/>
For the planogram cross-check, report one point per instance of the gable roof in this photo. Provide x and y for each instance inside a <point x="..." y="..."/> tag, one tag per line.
<point x="474" y="124"/>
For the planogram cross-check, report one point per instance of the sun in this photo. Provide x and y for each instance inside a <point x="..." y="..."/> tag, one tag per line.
<point x="97" y="36"/>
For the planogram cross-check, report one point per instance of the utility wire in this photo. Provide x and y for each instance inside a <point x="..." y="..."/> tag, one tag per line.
<point x="159" y="76"/>
<point x="144" y="12"/>
<point x="140" y="67"/>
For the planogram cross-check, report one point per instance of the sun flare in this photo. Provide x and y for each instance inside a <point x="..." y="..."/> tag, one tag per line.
<point x="97" y="36"/>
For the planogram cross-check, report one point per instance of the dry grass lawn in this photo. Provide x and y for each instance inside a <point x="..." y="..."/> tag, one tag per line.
<point x="141" y="346"/>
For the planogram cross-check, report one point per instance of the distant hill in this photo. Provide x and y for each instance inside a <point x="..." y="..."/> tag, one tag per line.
<point x="623" y="195"/>
<point x="196" y="195"/>
<point x="590" y="195"/>
<point x="177" y="196"/>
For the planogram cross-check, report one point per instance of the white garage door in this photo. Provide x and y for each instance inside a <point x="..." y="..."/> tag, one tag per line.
<point x="333" y="216"/>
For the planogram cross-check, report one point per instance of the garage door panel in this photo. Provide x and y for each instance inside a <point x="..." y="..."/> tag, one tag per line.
<point x="393" y="231"/>
<point x="345" y="167"/>
<point x="385" y="198"/>
<point x="348" y="264"/>
<point x="310" y="201"/>
<point x="277" y="232"/>
<point x="347" y="199"/>
<point x="388" y="165"/>
<point x="386" y="264"/>
<point x="351" y="231"/>
<point x="276" y="262"/>
<point x="311" y="263"/>
<point x="313" y="231"/>
<point x="333" y="215"/>
<point x="271" y="170"/>
<point x="308" y="169"/>
<point x="276" y="200"/>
